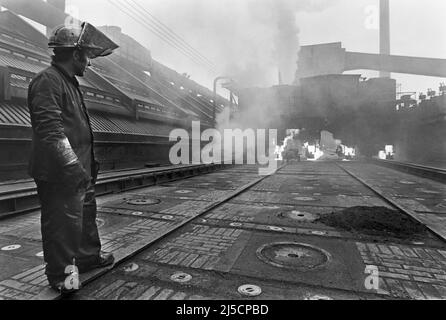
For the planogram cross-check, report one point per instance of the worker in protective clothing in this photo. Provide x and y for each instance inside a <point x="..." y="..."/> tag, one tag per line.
<point x="292" y="149"/>
<point x="62" y="160"/>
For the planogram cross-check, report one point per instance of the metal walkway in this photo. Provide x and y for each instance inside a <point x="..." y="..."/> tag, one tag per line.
<point x="232" y="234"/>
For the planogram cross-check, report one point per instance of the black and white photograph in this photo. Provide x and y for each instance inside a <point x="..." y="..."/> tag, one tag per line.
<point x="224" y="155"/>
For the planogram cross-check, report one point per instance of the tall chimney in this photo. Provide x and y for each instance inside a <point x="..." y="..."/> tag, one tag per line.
<point x="280" y="78"/>
<point x="384" y="32"/>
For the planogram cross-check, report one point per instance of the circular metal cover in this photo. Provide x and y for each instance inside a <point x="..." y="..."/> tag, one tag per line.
<point x="137" y="213"/>
<point x="300" y="215"/>
<point x="318" y="297"/>
<point x="308" y="178"/>
<point x="11" y="247"/>
<point x="143" y="201"/>
<point x="406" y="182"/>
<point x="250" y="290"/>
<point x="304" y="199"/>
<point x="319" y="233"/>
<point x="181" y="277"/>
<point x="167" y="217"/>
<point x="131" y="267"/>
<point x="424" y="190"/>
<point x="184" y="191"/>
<point x="292" y="255"/>
<point x="235" y="224"/>
<point x="274" y="228"/>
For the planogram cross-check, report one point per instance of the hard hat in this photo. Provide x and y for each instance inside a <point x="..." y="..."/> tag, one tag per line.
<point x="65" y="37"/>
<point x="85" y="37"/>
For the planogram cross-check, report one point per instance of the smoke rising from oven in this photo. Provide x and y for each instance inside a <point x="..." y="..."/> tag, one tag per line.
<point x="249" y="40"/>
<point x="273" y="49"/>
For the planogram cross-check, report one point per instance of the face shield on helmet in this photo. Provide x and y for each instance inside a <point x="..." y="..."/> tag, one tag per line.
<point x="85" y="37"/>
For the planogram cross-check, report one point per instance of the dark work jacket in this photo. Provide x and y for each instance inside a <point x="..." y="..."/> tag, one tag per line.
<point x="58" y="116"/>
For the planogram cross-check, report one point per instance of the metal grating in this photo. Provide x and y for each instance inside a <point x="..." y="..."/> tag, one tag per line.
<point x="102" y="124"/>
<point x="131" y="127"/>
<point x="19" y="64"/>
<point x="17" y="114"/>
<point x="14" y="114"/>
<point x="146" y="98"/>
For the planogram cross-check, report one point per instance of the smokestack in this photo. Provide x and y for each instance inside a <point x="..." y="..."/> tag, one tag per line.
<point x="58" y="4"/>
<point x="384" y="32"/>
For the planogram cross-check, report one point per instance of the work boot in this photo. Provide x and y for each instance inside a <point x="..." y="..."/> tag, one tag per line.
<point x="104" y="260"/>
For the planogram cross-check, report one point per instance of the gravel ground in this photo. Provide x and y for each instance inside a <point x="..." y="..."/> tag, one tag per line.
<point x="375" y="221"/>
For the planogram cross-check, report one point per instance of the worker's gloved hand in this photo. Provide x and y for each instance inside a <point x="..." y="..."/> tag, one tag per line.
<point x="76" y="178"/>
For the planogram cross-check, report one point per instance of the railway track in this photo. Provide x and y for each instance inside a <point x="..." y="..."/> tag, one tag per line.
<point x="20" y="197"/>
<point x="433" y="173"/>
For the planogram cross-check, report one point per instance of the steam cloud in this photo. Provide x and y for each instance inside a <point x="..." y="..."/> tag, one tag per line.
<point x="252" y="39"/>
<point x="274" y="27"/>
<point x="267" y="42"/>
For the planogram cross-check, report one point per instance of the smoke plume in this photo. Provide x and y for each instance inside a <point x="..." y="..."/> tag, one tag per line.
<point x="250" y="40"/>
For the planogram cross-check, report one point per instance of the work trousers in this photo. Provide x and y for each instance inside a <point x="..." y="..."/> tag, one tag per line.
<point x="69" y="230"/>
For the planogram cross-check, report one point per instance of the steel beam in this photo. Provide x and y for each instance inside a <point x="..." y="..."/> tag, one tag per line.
<point x="332" y="58"/>
<point x="399" y="64"/>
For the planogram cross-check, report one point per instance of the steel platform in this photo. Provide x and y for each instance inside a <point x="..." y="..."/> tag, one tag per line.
<point x="233" y="234"/>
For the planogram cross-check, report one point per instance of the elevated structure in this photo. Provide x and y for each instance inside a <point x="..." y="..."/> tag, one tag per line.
<point x="332" y="58"/>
